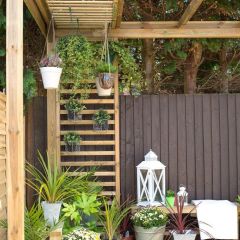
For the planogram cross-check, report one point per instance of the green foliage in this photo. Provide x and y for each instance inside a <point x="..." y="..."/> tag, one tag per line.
<point x="104" y="67"/>
<point x="101" y="117"/>
<point x="238" y="199"/>
<point x="149" y="217"/>
<point x="170" y="193"/>
<point x="74" y="105"/>
<point x="29" y="85"/>
<point x="129" y="69"/>
<point x="79" y="62"/>
<point x="83" y="205"/>
<point x="82" y="234"/>
<point x="53" y="185"/>
<point x="112" y="217"/>
<point x="72" y="137"/>
<point x="170" y="68"/>
<point x="35" y="227"/>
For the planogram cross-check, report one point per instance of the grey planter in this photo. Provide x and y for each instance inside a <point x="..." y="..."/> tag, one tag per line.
<point x="51" y="212"/>
<point x="155" y="233"/>
<point x="187" y="236"/>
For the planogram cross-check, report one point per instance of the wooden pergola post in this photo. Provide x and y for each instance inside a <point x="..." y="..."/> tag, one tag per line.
<point x="15" y="145"/>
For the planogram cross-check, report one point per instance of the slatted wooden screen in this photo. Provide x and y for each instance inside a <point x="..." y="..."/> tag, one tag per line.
<point x="99" y="149"/>
<point x="196" y="136"/>
<point x="3" y="190"/>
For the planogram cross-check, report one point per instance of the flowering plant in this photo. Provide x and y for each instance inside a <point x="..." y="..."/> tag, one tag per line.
<point x="149" y="217"/>
<point x="51" y="61"/>
<point x="82" y="234"/>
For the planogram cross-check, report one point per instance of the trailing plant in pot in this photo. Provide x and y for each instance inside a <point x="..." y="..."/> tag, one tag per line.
<point x="100" y="119"/>
<point x="72" y="142"/>
<point x="105" y="80"/>
<point x="74" y="108"/>
<point x="149" y="223"/>
<point x="50" y="67"/>
<point x="112" y="216"/>
<point x="55" y="186"/>
<point x="170" y="198"/>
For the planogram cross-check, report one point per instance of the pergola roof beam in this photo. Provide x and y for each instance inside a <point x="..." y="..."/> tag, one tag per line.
<point x="118" y="14"/>
<point x="43" y="8"/>
<point x="36" y="15"/>
<point x="189" y="12"/>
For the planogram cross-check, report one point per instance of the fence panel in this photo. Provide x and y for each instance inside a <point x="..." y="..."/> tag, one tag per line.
<point x="196" y="136"/>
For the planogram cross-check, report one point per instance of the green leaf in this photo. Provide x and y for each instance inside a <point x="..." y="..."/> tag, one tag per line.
<point x="2" y="52"/>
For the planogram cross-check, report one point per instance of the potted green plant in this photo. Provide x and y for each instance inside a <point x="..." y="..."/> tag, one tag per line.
<point x="105" y="80"/>
<point x="72" y="142"/>
<point x="238" y="199"/>
<point x="170" y="198"/>
<point x="82" y="234"/>
<point x="74" y="108"/>
<point x="100" y="119"/>
<point x="112" y="216"/>
<point x="55" y="186"/>
<point x="149" y="223"/>
<point x="82" y="211"/>
<point x="50" y="68"/>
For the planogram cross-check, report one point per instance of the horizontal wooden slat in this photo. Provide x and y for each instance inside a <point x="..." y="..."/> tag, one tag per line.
<point x="81" y="122"/>
<point x="108" y="193"/>
<point x="97" y="174"/>
<point x="70" y="91"/>
<point x="87" y="163"/>
<point x="90" y="132"/>
<point x="110" y="111"/>
<point x="88" y="153"/>
<point x="92" y="101"/>
<point x="94" y="143"/>
<point x="106" y="184"/>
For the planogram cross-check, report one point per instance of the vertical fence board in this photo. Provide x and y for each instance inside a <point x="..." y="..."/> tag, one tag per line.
<point x="190" y="151"/>
<point x="216" y="146"/>
<point x="237" y="109"/>
<point x="147" y="129"/>
<point x="207" y="142"/>
<point x="224" y="146"/>
<point x="199" y="146"/>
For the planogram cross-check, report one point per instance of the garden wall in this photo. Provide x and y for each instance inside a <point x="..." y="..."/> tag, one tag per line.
<point x="3" y="189"/>
<point x="196" y="136"/>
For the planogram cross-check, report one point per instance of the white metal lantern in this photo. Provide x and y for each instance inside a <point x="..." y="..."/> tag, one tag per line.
<point x="150" y="181"/>
<point x="182" y="195"/>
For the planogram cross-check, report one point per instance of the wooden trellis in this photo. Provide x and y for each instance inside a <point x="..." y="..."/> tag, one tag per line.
<point x="99" y="150"/>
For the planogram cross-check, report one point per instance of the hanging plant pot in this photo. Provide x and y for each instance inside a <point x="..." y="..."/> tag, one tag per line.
<point x="106" y="80"/>
<point x="72" y="147"/>
<point x="101" y="127"/>
<point x="51" y="77"/>
<point x="72" y="115"/>
<point x="51" y="212"/>
<point x="101" y="91"/>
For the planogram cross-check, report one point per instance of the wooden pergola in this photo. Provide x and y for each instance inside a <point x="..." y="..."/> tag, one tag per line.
<point x="88" y="18"/>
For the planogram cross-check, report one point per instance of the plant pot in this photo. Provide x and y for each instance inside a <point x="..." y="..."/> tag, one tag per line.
<point x="74" y="116"/>
<point x="187" y="236"/>
<point x="155" y="233"/>
<point x="51" y="77"/>
<point x="101" y="91"/>
<point x="170" y="201"/>
<point x="51" y="212"/>
<point x="73" y="147"/>
<point x="103" y="127"/>
<point x="106" y="80"/>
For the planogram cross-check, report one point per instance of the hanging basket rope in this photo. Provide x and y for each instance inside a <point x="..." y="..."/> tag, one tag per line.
<point x="106" y="79"/>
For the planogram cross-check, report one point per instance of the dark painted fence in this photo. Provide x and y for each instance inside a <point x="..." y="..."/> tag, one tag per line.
<point x="196" y="136"/>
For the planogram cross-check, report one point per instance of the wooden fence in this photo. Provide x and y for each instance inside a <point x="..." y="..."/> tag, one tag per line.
<point x="196" y="136"/>
<point x="3" y="190"/>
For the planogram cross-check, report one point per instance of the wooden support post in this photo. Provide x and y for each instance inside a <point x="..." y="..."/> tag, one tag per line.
<point x="15" y="146"/>
<point x="117" y="142"/>
<point x="51" y="118"/>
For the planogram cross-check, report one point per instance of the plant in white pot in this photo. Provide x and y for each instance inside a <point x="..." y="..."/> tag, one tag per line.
<point x="149" y="223"/>
<point x="55" y="186"/>
<point x="50" y="67"/>
<point x="105" y="80"/>
<point x="182" y="227"/>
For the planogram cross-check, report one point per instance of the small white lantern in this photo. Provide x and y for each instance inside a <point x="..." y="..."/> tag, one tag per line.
<point x="182" y="195"/>
<point x="150" y="181"/>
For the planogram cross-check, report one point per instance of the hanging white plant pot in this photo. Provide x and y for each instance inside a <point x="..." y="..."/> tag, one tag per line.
<point x="102" y="91"/>
<point x="51" y="212"/>
<point x="51" y="77"/>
